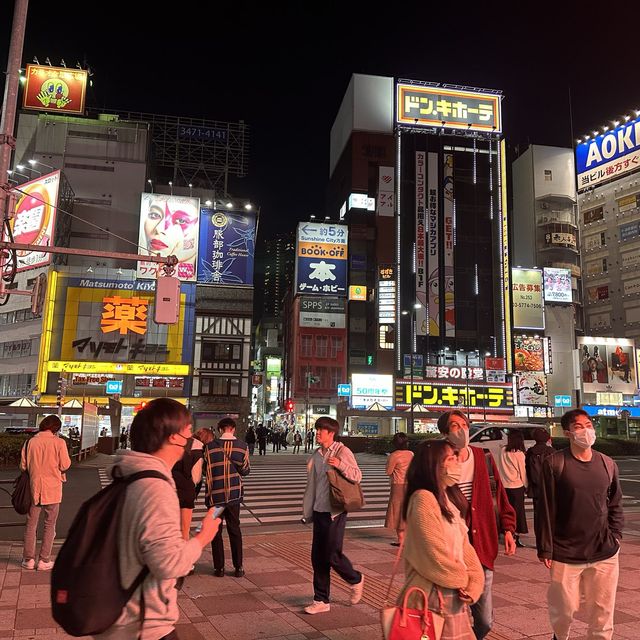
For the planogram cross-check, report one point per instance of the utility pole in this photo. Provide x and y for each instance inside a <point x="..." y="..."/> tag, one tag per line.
<point x="306" y="403"/>
<point x="10" y="102"/>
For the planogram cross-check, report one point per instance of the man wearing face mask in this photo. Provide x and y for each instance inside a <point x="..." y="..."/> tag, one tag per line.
<point x="475" y="485"/>
<point x="226" y="461"/>
<point x="579" y="530"/>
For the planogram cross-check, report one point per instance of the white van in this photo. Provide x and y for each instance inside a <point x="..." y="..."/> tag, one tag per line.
<point x="493" y="435"/>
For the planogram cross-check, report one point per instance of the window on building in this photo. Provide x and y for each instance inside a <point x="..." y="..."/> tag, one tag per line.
<point x="336" y="377"/>
<point x="219" y="386"/>
<point x="548" y="175"/>
<point x="322" y="343"/>
<point x="322" y="374"/>
<point x="221" y="352"/>
<point x="306" y="346"/>
<point x="336" y="346"/>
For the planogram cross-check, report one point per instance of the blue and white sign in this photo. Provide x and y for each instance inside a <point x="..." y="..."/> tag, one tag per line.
<point x="227" y="247"/>
<point x="344" y="389"/>
<point x="611" y="412"/>
<point x="562" y="401"/>
<point x="114" y="386"/>
<point x="370" y="388"/>
<point x="609" y="155"/>
<point x="321" y="259"/>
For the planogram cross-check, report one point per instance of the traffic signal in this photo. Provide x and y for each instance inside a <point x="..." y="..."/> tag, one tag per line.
<point x="140" y="406"/>
<point x="289" y="405"/>
<point x="62" y="386"/>
<point x="369" y="359"/>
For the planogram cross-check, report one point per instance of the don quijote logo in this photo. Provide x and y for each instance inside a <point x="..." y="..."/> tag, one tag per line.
<point x="313" y="250"/>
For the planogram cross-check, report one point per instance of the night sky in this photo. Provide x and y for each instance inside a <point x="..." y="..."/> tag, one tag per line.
<point x="284" y="71"/>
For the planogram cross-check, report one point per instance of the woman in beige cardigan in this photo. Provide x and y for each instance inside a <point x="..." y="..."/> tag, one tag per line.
<point x="438" y="556"/>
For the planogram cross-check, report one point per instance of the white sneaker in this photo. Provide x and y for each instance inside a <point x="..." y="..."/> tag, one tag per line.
<point x="356" y="591"/>
<point x="29" y="564"/>
<point x="317" y="607"/>
<point x="45" y="566"/>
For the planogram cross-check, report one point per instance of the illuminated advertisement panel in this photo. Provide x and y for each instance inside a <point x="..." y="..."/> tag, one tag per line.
<point x="321" y="259"/>
<point x="532" y="388"/>
<point x="422" y="106"/>
<point x="169" y="225"/>
<point x="609" y="155"/>
<point x="54" y="89"/>
<point x="227" y="247"/>
<point x="528" y="306"/>
<point x="557" y="285"/>
<point x="107" y="326"/>
<point x="442" y="396"/>
<point x="368" y="389"/>
<point x="607" y="364"/>
<point x="34" y="219"/>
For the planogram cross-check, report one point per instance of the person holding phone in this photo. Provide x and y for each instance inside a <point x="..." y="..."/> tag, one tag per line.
<point x="226" y="462"/>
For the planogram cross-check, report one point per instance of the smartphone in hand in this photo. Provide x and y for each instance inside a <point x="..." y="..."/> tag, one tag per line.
<point x="217" y="512"/>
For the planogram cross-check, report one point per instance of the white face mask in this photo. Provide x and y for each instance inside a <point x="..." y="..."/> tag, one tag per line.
<point x="585" y="439"/>
<point x="452" y="473"/>
<point x="459" y="439"/>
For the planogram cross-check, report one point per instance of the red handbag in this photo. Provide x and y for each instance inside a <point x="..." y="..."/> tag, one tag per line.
<point x="412" y="624"/>
<point x="401" y="623"/>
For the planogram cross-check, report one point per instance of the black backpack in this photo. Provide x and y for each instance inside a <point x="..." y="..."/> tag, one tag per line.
<point x="87" y="596"/>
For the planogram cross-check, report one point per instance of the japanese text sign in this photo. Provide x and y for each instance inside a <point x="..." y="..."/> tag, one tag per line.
<point x="528" y="306"/>
<point x="54" y="89"/>
<point x="34" y="219"/>
<point x="321" y="259"/>
<point x="423" y="106"/>
<point x="124" y="314"/>
<point x="609" y="155"/>
<point x="227" y="247"/>
<point x="449" y="396"/>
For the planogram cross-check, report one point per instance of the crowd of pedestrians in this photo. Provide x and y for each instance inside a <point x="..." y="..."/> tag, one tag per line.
<point x="451" y="505"/>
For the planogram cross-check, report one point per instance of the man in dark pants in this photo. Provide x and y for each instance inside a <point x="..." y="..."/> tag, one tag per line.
<point x="261" y="435"/>
<point x="226" y="461"/>
<point x="329" y="524"/>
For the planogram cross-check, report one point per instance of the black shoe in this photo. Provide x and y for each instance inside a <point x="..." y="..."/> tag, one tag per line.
<point x="394" y="544"/>
<point x="519" y="544"/>
<point x="239" y="572"/>
<point x="218" y="573"/>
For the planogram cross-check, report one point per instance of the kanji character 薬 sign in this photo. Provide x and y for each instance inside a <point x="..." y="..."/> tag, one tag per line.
<point x="124" y="314"/>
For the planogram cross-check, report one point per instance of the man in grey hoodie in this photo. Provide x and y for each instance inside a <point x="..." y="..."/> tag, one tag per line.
<point x="150" y="532"/>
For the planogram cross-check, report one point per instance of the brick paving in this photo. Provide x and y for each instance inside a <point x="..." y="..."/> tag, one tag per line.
<point x="268" y="602"/>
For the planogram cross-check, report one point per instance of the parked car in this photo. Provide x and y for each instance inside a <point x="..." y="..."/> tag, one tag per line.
<point x="493" y="435"/>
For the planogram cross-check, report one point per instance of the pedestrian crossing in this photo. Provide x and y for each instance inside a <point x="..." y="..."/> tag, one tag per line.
<point x="273" y="495"/>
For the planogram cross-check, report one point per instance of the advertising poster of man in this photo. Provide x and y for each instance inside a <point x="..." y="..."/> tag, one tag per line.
<point x="169" y="225"/>
<point x="607" y="362"/>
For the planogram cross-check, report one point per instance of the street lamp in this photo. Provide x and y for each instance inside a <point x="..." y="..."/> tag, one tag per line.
<point x="33" y="162"/>
<point x="412" y="313"/>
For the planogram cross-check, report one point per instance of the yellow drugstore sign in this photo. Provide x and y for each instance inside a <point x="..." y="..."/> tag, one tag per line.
<point x="75" y="366"/>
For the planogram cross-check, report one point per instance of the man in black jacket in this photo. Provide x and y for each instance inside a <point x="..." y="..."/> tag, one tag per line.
<point x="534" y="460"/>
<point x="579" y="530"/>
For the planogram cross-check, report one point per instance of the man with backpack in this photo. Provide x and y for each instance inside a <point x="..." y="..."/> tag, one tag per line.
<point x="489" y="514"/>
<point x="534" y="458"/>
<point x="115" y="577"/>
<point x="226" y="461"/>
<point x="46" y="458"/>
<point x="579" y="530"/>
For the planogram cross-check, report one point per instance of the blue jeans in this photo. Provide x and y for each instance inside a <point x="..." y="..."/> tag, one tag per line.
<point x="483" y="609"/>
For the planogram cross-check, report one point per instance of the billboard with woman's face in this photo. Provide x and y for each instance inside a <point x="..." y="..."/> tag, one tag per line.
<point x="169" y="225"/>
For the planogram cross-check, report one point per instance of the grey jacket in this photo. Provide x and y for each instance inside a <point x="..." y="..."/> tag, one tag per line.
<point x="150" y="535"/>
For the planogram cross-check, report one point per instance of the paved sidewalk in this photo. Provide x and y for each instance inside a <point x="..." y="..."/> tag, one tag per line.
<point x="267" y="603"/>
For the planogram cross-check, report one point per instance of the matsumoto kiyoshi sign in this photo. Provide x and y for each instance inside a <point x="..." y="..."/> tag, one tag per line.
<point x="321" y="259"/>
<point x="608" y="155"/>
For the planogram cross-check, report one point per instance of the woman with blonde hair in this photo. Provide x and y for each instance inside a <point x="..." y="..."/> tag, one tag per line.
<point x="438" y="556"/>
